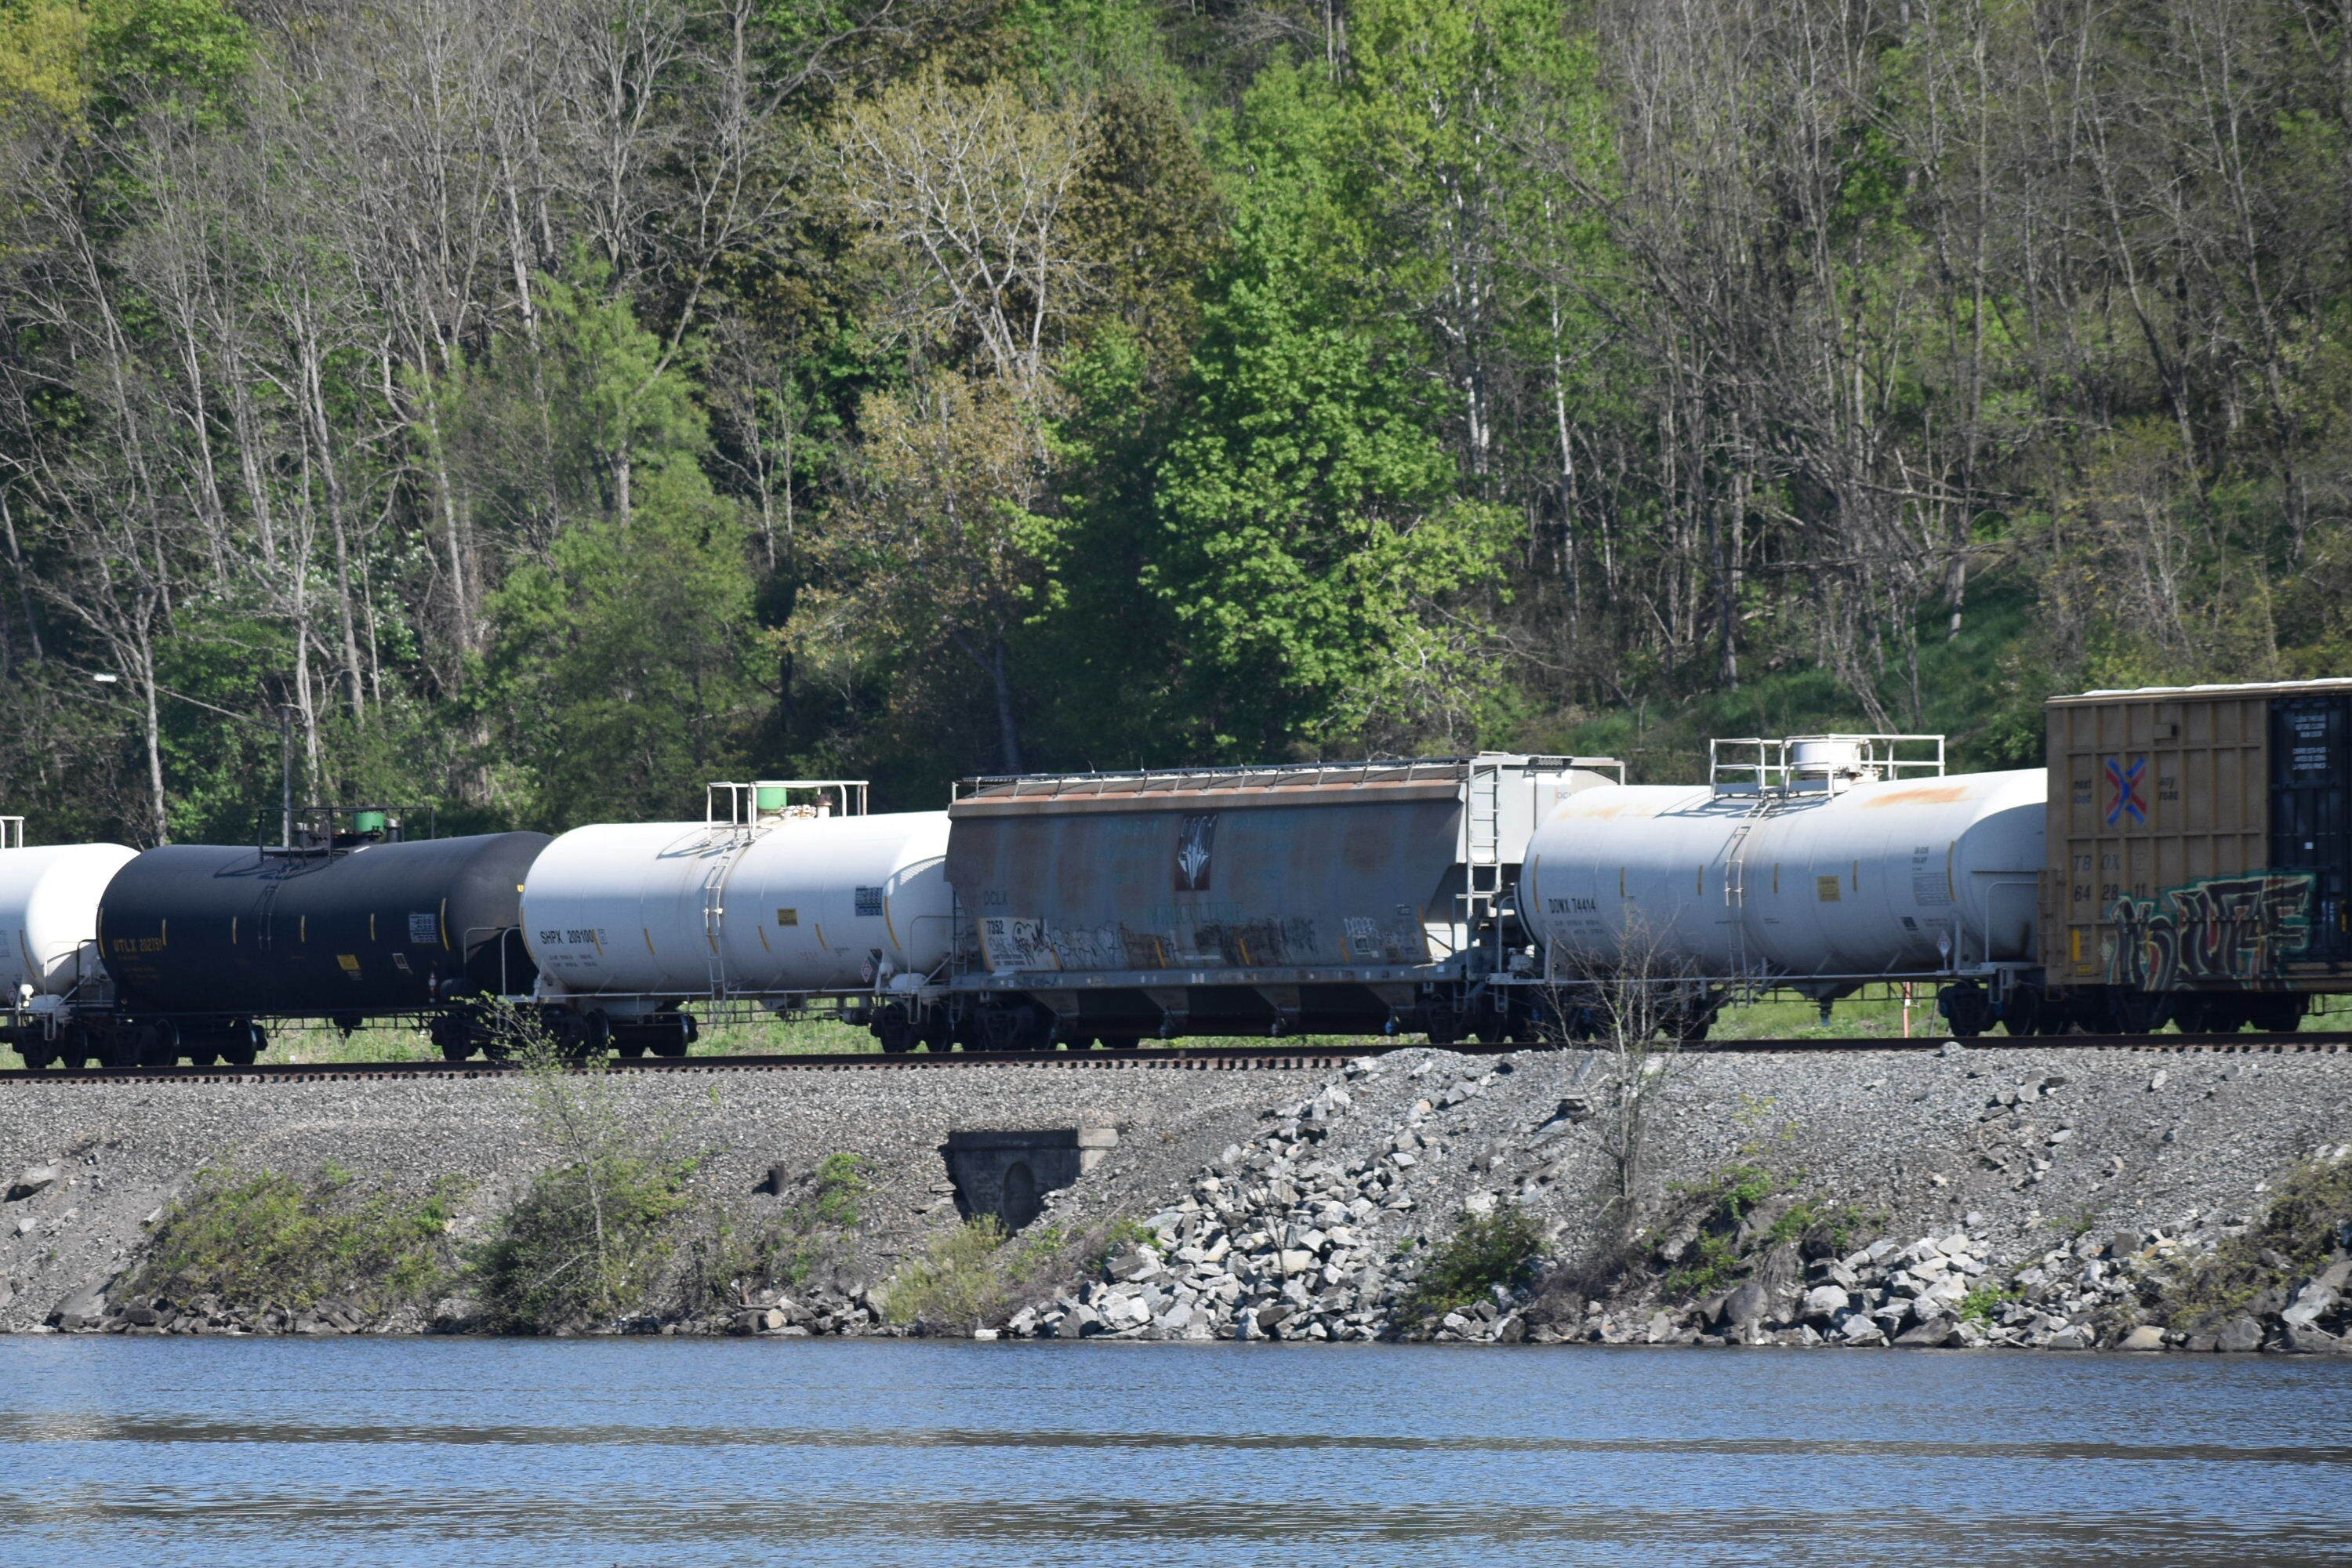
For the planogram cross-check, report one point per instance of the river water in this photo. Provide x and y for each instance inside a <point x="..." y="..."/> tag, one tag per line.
<point x="162" y="1452"/>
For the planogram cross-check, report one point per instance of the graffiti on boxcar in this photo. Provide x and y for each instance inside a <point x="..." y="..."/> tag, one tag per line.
<point x="2222" y="928"/>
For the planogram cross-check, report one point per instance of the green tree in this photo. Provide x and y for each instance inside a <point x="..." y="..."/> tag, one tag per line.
<point x="1312" y="549"/>
<point x="618" y="677"/>
<point x="939" y="544"/>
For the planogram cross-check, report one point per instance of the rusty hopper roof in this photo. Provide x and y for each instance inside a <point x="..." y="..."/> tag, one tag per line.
<point x="1297" y="784"/>
<point x="2239" y="689"/>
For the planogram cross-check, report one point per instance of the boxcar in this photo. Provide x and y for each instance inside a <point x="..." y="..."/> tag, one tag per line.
<point x="2200" y="853"/>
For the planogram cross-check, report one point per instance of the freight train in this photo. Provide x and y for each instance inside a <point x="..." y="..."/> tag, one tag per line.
<point x="2184" y="856"/>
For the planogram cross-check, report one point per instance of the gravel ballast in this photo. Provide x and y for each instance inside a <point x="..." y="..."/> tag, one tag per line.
<point x="1296" y="1203"/>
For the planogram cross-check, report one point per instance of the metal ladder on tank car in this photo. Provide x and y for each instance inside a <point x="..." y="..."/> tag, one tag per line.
<point x="1735" y="878"/>
<point x="1481" y="848"/>
<point x="733" y="840"/>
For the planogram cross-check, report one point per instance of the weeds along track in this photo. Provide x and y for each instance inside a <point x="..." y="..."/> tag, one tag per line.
<point x="1214" y="1058"/>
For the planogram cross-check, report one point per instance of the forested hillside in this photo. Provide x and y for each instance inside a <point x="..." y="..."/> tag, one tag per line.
<point x="542" y="407"/>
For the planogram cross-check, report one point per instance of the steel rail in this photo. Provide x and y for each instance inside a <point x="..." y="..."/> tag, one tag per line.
<point x="1194" y="1058"/>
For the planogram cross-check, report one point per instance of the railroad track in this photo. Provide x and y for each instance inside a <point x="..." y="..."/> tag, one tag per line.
<point x="1194" y="1058"/>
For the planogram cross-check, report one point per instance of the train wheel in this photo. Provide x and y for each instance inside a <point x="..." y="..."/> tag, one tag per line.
<point x="1966" y="1009"/>
<point x="37" y="1054"/>
<point x="2194" y="1014"/>
<point x="2275" y="1013"/>
<point x="2133" y="1012"/>
<point x="157" y="1045"/>
<point x="455" y="1051"/>
<point x="2225" y="1015"/>
<point x="893" y="1030"/>
<point x="250" y="1043"/>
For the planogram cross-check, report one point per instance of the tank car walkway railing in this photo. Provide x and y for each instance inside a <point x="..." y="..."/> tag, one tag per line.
<point x="1819" y="764"/>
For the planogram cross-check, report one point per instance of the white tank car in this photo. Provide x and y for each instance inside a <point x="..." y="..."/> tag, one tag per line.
<point x="1882" y="877"/>
<point x="640" y="914"/>
<point x="49" y="913"/>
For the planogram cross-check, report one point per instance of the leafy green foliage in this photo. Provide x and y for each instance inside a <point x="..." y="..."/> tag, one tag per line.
<point x="969" y="1275"/>
<point x="266" y="1240"/>
<point x="1980" y="1304"/>
<point x="1485" y="1250"/>
<point x="816" y="1231"/>
<point x="1307" y="508"/>
<point x="618" y="669"/>
<point x="2307" y="1225"/>
<point x="1719" y="1212"/>
<point x="1106" y="382"/>
<point x="587" y="1244"/>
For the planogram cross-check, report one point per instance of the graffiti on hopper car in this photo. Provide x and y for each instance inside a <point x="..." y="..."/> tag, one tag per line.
<point x="2223" y="927"/>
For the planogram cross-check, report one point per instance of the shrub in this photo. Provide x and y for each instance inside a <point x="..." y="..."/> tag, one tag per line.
<point x="587" y="1244"/>
<point x="1728" y="1214"/>
<point x="815" y="1230"/>
<point x="267" y="1240"/>
<point x="593" y="1237"/>
<point x="1484" y="1251"/>
<point x="1980" y="1304"/>
<point x="971" y="1276"/>
<point x="2308" y="1221"/>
